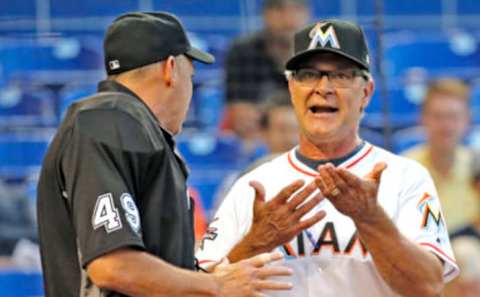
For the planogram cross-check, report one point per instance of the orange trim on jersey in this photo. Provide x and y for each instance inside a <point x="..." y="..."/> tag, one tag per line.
<point x="450" y="272"/>
<point x="289" y="249"/>
<point x="438" y="251"/>
<point x="298" y="168"/>
<point x="205" y="261"/>
<point x="353" y="163"/>
<point x="425" y="197"/>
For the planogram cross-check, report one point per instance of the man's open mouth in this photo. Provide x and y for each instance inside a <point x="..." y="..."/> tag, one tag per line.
<point x="323" y="109"/>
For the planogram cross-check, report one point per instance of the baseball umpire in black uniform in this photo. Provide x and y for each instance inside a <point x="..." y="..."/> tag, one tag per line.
<point x="113" y="211"/>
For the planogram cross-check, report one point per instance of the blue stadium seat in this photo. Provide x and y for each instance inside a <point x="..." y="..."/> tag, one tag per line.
<point x="402" y="111"/>
<point x="372" y="136"/>
<point x="210" y="160"/>
<point x="18" y="56"/>
<point x="452" y="53"/>
<point x="20" y="284"/>
<point x="72" y="94"/>
<point x="22" y="153"/>
<point x="405" y="139"/>
<point x="21" y="107"/>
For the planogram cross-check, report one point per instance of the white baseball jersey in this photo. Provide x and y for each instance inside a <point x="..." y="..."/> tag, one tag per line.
<point x="329" y="259"/>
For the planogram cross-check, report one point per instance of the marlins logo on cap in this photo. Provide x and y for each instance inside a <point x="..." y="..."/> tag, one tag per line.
<point x="318" y="36"/>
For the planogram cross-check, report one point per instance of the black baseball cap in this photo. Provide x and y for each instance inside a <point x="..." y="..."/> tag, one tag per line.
<point x="335" y="36"/>
<point x="137" y="39"/>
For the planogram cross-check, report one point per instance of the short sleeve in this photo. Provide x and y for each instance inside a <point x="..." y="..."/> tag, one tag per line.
<point x="230" y="224"/>
<point x="102" y="165"/>
<point x="420" y="217"/>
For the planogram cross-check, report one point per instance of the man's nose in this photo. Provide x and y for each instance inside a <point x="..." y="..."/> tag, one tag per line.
<point x="324" y="85"/>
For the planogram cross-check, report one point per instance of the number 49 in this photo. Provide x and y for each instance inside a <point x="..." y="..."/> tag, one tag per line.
<point x="105" y="214"/>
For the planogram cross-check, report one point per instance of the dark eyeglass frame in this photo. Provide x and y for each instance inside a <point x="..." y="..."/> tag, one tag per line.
<point x="340" y="78"/>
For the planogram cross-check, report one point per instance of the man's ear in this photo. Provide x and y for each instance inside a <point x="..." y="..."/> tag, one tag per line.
<point x="169" y="71"/>
<point x="368" y="90"/>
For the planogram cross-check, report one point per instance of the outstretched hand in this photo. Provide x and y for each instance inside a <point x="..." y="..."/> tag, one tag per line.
<point x="278" y="221"/>
<point x="248" y="278"/>
<point x="351" y="195"/>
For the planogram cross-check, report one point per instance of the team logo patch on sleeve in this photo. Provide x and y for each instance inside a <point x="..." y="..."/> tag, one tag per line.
<point x="431" y="213"/>
<point x="131" y="211"/>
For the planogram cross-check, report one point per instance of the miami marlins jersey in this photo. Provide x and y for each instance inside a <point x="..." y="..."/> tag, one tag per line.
<point x="329" y="259"/>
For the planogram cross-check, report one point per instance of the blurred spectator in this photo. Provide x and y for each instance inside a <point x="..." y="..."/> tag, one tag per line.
<point x="279" y="126"/>
<point x="466" y="245"/>
<point x="445" y="117"/>
<point x="17" y="220"/>
<point x="255" y="64"/>
<point x="246" y="126"/>
<point x="472" y="228"/>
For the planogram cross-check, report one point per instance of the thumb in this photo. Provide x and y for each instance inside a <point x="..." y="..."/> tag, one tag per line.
<point x="219" y="264"/>
<point x="377" y="171"/>
<point x="259" y="193"/>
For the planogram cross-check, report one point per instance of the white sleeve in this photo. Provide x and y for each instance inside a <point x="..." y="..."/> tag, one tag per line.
<point x="420" y="217"/>
<point x="230" y="224"/>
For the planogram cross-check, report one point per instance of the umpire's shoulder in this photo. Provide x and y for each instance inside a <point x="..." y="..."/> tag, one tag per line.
<point x="117" y="120"/>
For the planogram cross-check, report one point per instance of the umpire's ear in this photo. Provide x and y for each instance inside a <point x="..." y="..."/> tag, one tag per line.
<point x="169" y="71"/>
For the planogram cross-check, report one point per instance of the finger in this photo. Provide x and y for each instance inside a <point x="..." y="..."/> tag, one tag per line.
<point x="265" y="258"/>
<point x="269" y="271"/>
<point x="258" y="294"/>
<point x="302" y="195"/>
<point x="288" y="191"/>
<point x="320" y="183"/>
<point x="377" y="171"/>
<point x="349" y="178"/>
<point x="328" y="182"/>
<point x="310" y="221"/>
<point x="309" y="205"/>
<point x="340" y="182"/>
<point x="272" y="285"/>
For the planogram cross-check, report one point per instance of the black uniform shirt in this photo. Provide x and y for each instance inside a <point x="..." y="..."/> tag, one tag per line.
<point x="110" y="180"/>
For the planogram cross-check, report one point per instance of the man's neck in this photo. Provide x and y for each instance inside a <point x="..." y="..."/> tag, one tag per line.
<point x="328" y="150"/>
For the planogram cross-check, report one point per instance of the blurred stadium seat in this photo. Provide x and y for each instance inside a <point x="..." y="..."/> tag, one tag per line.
<point x="74" y="93"/>
<point x="404" y="139"/>
<point x="21" y="153"/>
<point x="22" y="107"/>
<point x="372" y="136"/>
<point x="15" y="283"/>
<point x="210" y="159"/>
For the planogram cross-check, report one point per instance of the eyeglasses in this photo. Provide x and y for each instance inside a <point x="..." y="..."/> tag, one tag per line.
<point x="338" y="78"/>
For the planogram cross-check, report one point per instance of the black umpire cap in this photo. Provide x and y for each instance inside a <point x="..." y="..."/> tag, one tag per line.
<point x="335" y="36"/>
<point x="141" y="38"/>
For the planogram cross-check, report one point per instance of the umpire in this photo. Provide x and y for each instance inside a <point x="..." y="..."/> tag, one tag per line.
<point x="114" y="217"/>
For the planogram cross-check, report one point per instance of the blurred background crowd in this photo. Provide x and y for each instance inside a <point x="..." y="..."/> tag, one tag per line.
<point x="426" y="57"/>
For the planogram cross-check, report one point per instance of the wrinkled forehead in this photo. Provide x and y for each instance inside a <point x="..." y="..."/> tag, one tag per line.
<point x="329" y="60"/>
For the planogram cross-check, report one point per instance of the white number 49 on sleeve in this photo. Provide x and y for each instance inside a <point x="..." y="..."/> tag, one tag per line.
<point x="105" y="214"/>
